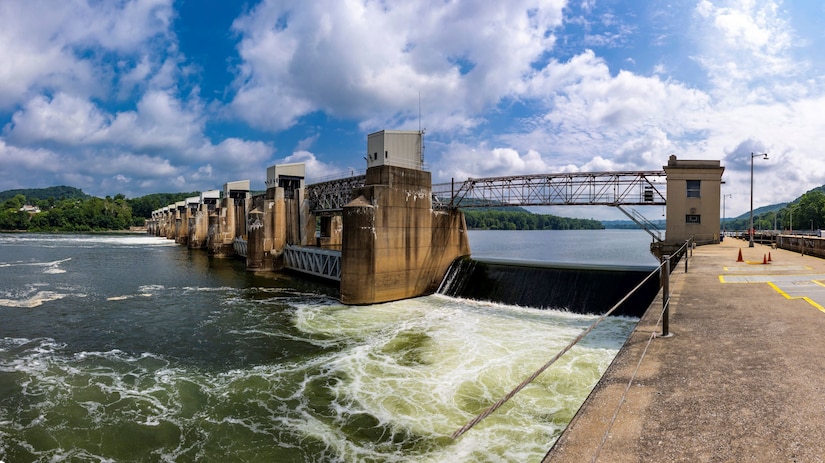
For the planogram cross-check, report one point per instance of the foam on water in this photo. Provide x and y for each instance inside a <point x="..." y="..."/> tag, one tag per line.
<point x="52" y="267"/>
<point x="31" y="296"/>
<point x="84" y="240"/>
<point x="391" y="382"/>
<point x="422" y="368"/>
<point x="35" y="300"/>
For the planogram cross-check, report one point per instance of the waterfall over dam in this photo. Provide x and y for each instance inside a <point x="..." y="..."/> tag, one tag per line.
<point x="579" y="288"/>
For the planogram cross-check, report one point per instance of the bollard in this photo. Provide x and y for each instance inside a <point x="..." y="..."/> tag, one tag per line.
<point x="665" y="275"/>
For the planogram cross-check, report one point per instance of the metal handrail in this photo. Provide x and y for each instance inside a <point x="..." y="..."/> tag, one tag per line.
<point x="664" y="264"/>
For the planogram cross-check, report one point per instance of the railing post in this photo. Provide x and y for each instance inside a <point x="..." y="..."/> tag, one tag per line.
<point x="665" y="276"/>
<point x="452" y="191"/>
<point x="690" y="246"/>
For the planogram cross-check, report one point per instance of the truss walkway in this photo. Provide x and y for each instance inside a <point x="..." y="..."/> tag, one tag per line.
<point x="324" y="263"/>
<point x="642" y="188"/>
<point x="615" y="189"/>
<point x="330" y="196"/>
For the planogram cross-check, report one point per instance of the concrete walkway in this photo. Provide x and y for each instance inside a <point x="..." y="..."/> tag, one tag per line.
<point x="742" y="379"/>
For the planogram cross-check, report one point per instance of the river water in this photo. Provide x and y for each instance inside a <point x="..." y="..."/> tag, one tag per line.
<point x="132" y="348"/>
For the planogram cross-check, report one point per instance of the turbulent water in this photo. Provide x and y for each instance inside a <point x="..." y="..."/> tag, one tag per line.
<point x="131" y="348"/>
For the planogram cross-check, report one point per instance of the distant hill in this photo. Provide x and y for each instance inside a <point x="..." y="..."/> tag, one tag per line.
<point x="629" y="224"/>
<point x="487" y="205"/>
<point x="39" y="194"/>
<point x="763" y="210"/>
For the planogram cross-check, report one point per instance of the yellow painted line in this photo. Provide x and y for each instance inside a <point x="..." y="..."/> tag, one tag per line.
<point x="804" y="298"/>
<point x="818" y="282"/>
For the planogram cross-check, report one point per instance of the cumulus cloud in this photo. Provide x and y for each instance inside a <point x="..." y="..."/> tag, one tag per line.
<point x="371" y="60"/>
<point x="101" y="95"/>
<point x="745" y="46"/>
<point x="317" y="170"/>
<point x="464" y="161"/>
<point x="64" y="119"/>
<point x="47" y="45"/>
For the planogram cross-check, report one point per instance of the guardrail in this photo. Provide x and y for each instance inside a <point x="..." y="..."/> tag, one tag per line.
<point x="663" y="270"/>
<point x="240" y="246"/>
<point x="325" y="263"/>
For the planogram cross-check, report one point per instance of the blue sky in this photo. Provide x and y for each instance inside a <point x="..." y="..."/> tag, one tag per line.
<point x="148" y="96"/>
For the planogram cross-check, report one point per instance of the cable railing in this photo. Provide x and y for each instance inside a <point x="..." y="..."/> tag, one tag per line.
<point x="663" y="270"/>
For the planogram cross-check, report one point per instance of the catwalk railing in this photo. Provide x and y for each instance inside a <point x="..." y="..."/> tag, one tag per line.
<point x="663" y="271"/>
<point x="629" y="188"/>
<point x="640" y="188"/>
<point x="320" y="262"/>
<point x="331" y="196"/>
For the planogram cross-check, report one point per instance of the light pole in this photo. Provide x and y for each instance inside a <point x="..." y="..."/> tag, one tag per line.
<point x="724" y="230"/>
<point x="750" y="232"/>
<point x="790" y="224"/>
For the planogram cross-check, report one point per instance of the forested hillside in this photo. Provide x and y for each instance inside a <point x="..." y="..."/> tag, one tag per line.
<point x="39" y="194"/>
<point x="68" y="209"/>
<point x="804" y="213"/>
<point x="486" y="219"/>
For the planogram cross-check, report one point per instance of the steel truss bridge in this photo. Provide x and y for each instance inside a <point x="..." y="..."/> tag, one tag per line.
<point x="616" y="189"/>
<point x="330" y="196"/>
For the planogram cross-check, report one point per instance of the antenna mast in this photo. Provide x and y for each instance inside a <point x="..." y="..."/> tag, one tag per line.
<point x="420" y="130"/>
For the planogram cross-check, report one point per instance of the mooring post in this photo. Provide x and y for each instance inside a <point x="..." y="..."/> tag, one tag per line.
<point x="665" y="275"/>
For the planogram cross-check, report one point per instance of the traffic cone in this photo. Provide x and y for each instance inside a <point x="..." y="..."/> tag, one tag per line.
<point x="769" y="257"/>
<point x="740" y="259"/>
<point x="764" y="259"/>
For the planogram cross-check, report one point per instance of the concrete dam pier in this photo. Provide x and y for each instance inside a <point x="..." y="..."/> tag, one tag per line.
<point x="376" y="235"/>
<point x="386" y="235"/>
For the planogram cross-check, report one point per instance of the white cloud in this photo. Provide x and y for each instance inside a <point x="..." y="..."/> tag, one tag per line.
<point x="98" y="95"/>
<point x="747" y="49"/>
<point x="461" y="161"/>
<point x="370" y="60"/>
<point x="63" y="119"/>
<point x="160" y="121"/>
<point x="17" y="162"/>
<point x="54" y="45"/>
<point x="317" y="170"/>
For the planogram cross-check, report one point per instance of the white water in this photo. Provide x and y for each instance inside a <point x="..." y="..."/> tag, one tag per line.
<point x="159" y="358"/>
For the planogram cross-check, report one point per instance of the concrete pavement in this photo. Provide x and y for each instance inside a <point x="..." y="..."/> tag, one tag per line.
<point x="742" y="378"/>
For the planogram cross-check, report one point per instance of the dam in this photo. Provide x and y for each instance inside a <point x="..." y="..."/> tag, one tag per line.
<point x="390" y="234"/>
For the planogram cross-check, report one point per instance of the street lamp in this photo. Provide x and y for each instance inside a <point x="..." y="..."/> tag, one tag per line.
<point x="723" y="213"/>
<point x="790" y="224"/>
<point x="750" y="232"/>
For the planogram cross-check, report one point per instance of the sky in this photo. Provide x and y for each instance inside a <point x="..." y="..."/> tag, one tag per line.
<point x="148" y="96"/>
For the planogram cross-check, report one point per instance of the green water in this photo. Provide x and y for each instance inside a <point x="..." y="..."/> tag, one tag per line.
<point x="132" y="349"/>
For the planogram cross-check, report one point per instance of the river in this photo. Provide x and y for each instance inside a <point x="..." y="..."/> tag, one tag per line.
<point x="132" y="348"/>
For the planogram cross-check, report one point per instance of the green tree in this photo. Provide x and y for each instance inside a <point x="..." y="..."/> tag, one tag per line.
<point x="15" y="202"/>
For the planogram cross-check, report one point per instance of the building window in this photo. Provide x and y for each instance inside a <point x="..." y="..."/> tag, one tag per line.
<point x="693" y="188"/>
<point x="693" y="218"/>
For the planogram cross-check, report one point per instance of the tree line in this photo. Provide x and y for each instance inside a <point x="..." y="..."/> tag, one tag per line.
<point x="80" y="212"/>
<point x="491" y="219"/>
<point x="803" y="214"/>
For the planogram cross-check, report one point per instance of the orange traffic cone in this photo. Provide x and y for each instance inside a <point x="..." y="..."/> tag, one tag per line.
<point x="764" y="259"/>
<point x="769" y="257"/>
<point x="740" y="259"/>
